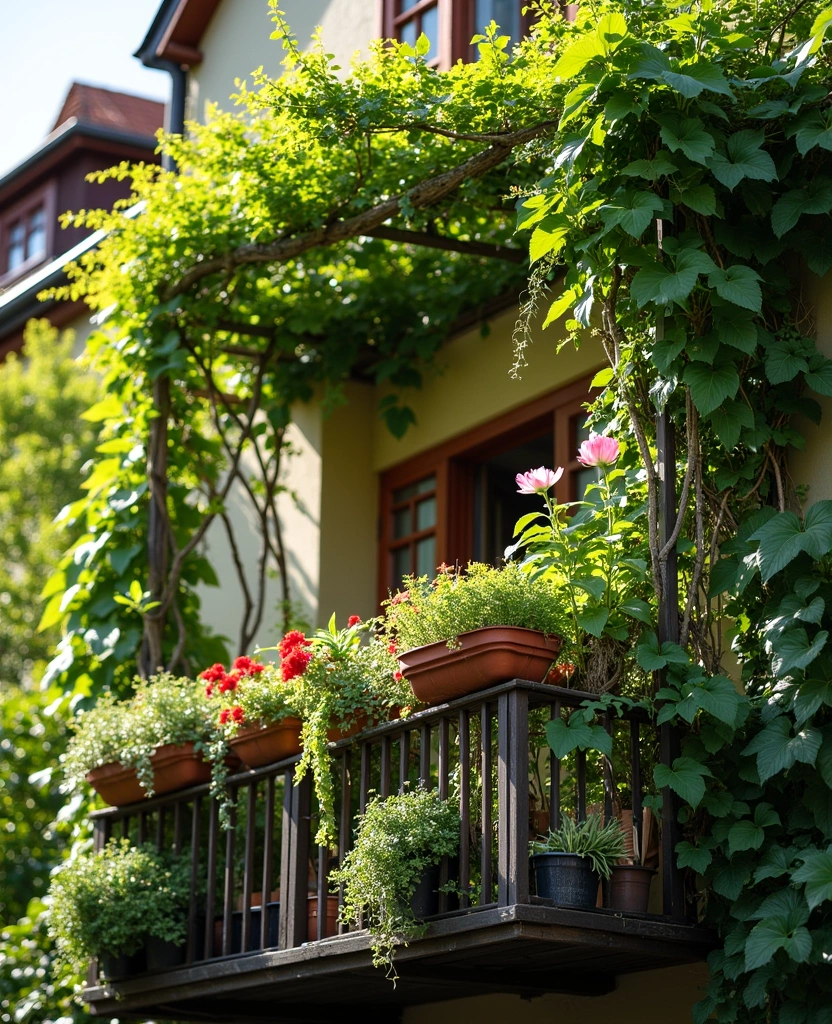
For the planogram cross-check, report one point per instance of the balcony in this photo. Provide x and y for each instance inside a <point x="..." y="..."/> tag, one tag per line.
<point x="491" y="935"/>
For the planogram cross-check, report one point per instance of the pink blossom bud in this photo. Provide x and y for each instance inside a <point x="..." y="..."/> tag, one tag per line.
<point x="599" y="450"/>
<point x="537" y="481"/>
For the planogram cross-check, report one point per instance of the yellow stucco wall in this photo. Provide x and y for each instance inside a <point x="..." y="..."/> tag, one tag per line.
<point x="650" y="997"/>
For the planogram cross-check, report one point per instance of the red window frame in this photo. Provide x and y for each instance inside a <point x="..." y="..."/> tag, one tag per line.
<point x="42" y="198"/>
<point x="452" y="464"/>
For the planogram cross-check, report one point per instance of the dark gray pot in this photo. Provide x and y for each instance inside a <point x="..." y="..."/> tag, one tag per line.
<point x="122" y="966"/>
<point x="162" y="955"/>
<point x="425" y="899"/>
<point x="566" y="879"/>
<point x="273" y="915"/>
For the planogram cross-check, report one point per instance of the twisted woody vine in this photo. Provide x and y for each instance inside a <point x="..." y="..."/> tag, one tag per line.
<point x="667" y="166"/>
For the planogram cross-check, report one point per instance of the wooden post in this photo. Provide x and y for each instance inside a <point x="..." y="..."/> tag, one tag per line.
<point x="294" y="864"/>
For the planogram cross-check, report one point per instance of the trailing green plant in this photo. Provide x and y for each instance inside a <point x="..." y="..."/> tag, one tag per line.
<point x="108" y="903"/>
<point x="163" y="709"/>
<point x="398" y="840"/>
<point x="602" y="845"/>
<point x="428" y="611"/>
<point x="334" y="682"/>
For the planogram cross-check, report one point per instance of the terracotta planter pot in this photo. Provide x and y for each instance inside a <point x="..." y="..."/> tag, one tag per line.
<point x="331" y="926"/>
<point x="174" y="767"/>
<point x="483" y="658"/>
<point x="630" y="888"/>
<point x="256" y="745"/>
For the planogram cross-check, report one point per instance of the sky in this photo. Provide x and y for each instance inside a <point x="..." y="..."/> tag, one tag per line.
<point x="45" y="45"/>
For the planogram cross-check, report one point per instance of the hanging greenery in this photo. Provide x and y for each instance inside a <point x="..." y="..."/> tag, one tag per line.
<point x="670" y="166"/>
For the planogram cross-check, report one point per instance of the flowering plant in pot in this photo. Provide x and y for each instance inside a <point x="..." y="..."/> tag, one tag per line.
<point x="111" y="904"/>
<point x="254" y="715"/>
<point x="591" y="551"/>
<point x="152" y="742"/>
<point x="466" y="630"/>
<point x="338" y="685"/>
<point x="569" y="862"/>
<point x="399" y="840"/>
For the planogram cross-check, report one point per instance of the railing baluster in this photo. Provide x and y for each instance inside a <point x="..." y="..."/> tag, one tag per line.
<point x="443" y="770"/>
<point x="364" y="790"/>
<point x="404" y="760"/>
<point x="554" y="778"/>
<point x="485" y="763"/>
<point x="268" y="862"/>
<point x="580" y="772"/>
<point x="635" y="785"/>
<point x="248" y="867"/>
<point x="228" y="888"/>
<point x="345" y="832"/>
<point x="160" y="829"/>
<point x="517" y="820"/>
<point x="210" y="894"/>
<point x="142" y="828"/>
<point x="424" y="757"/>
<point x="608" y="788"/>
<point x="125" y="826"/>
<point x="294" y="870"/>
<point x="196" y="811"/>
<point x="322" y="858"/>
<point x="464" y="807"/>
<point x="177" y="827"/>
<point x="384" y="782"/>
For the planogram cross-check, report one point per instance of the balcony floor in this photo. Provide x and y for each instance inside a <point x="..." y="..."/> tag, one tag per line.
<point x="527" y="949"/>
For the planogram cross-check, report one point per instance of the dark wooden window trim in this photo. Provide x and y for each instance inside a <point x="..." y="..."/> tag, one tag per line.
<point x="452" y="464"/>
<point x="45" y="196"/>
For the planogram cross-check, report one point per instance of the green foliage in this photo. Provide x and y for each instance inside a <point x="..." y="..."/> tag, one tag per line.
<point x="45" y="441"/>
<point x="602" y="844"/>
<point x="108" y="903"/>
<point x="163" y="709"/>
<point x="398" y="840"/>
<point x="429" y="611"/>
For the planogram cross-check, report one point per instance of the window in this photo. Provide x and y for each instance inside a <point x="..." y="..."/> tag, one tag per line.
<point x="415" y="17"/>
<point x="459" y="501"/>
<point x="24" y="233"/>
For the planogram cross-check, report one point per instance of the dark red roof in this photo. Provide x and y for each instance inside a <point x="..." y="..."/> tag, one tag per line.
<point x="93" y="105"/>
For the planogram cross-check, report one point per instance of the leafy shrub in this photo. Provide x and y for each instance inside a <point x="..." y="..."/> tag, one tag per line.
<point x="109" y="903"/>
<point x="398" y="840"/>
<point x="428" y="611"/>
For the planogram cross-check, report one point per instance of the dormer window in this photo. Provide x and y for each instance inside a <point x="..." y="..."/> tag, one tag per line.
<point x="27" y="239"/>
<point x="25" y="233"/>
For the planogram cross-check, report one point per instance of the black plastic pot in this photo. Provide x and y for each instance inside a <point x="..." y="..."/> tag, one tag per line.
<point x="123" y="966"/>
<point x="425" y="900"/>
<point x="566" y="879"/>
<point x="273" y="923"/>
<point x="162" y="955"/>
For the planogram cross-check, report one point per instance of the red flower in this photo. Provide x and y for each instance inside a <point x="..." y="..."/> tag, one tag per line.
<point x="294" y="663"/>
<point x="353" y="620"/>
<point x="209" y="689"/>
<point x="398" y="676"/>
<point x="244" y="666"/>
<point x="293" y="640"/>
<point x="213" y="674"/>
<point x="391" y="648"/>
<point x="225" y="714"/>
<point x="237" y="714"/>
<point x="228" y="682"/>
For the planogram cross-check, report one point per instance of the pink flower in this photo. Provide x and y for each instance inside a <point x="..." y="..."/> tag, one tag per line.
<point x="599" y="450"/>
<point x="538" y="481"/>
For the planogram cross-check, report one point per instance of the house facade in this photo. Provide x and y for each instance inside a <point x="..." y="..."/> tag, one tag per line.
<point x="95" y="129"/>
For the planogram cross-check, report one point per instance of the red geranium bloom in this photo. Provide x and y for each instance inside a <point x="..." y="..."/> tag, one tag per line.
<point x="213" y="674"/>
<point x="397" y="676"/>
<point x="353" y="620"/>
<point x="391" y="648"/>
<point x="228" y="682"/>
<point x="245" y="666"/>
<point x="209" y="689"/>
<point x="294" y="663"/>
<point x="237" y="714"/>
<point x="293" y="639"/>
<point x="225" y="714"/>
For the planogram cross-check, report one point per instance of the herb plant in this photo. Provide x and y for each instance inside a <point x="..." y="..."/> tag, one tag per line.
<point x="603" y="845"/>
<point x="398" y="840"/>
<point x="428" y="611"/>
<point x="109" y="903"/>
<point x="163" y="709"/>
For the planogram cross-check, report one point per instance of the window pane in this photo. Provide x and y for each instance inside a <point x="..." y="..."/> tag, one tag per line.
<point x="430" y="26"/>
<point x="426" y="514"/>
<point x="583" y="478"/>
<point x="17" y="245"/>
<point x="505" y="12"/>
<point x="401" y="565"/>
<point x="407" y="33"/>
<point x="36" y="244"/>
<point x="402" y="523"/>
<point x="581" y="429"/>
<point x="426" y="557"/>
<point x="406" y="5"/>
<point x="428" y="484"/>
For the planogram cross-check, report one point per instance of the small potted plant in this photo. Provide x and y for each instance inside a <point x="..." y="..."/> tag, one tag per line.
<point x="338" y="685"/>
<point x="117" y="903"/>
<point x="399" y="840"/>
<point x="569" y="862"/>
<point x="468" y="630"/>
<point x="151" y="743"/>
<point x="632" y="876"/>
<point x="253" y="711"/>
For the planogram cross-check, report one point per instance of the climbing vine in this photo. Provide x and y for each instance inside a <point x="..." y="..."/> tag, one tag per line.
<point x="669" y="165"/>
